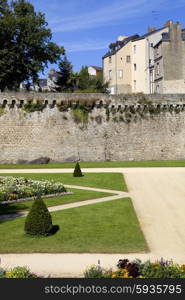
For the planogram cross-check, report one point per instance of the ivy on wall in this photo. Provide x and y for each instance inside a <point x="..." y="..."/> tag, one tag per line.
<point x="80" y="115"/>
<point x="123" y="112"/>
<point x="2" y="110"/>
<point x="32" y="107"/>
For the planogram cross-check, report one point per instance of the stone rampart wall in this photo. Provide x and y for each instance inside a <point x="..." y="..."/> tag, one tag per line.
<point x="91" y="127"/>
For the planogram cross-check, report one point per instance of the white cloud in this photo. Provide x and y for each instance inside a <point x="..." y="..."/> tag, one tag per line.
<point x="118" y="11"/>
<point x="87" y="45"/>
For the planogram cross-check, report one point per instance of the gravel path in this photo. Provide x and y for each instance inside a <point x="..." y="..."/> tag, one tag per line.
<point x="158" y="196"/>
<point x="119" y="195"/>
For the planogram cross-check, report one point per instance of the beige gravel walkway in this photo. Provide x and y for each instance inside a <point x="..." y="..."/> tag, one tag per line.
<point x="158" y="196"/>
<point x="118" y="195"/>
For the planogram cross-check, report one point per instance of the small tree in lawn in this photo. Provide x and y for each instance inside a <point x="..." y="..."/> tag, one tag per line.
<point x="77" y="171"/>
<point x="38" y="221"/>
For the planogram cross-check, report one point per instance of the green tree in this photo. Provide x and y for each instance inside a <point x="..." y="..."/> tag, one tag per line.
<point x="84" y="78"/>
<point x="77" y="171"/>
<point x="38" y="221"/>
<point x="65" y="73"/>
<point x="25" y="44"/>
<point x="88" y="83"/>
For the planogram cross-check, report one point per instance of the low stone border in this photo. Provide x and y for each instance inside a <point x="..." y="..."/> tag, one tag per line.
<point x="32" y="198"/>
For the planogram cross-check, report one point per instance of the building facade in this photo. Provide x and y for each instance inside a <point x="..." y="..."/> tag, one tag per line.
<point x="143" y="60"/>
<point x="95" y="71"/>
<point x="169" y="63"/>
<point x="117" y="65"/>
<point x="152" y="63"/>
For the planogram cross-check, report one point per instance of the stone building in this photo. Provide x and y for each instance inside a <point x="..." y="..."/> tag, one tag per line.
<point x="143" y="60"/>
<point x="95" y="71"/>
<point x="169" y="63"/>
<point x="131" y="62"/>
<point x="117" y="65"/>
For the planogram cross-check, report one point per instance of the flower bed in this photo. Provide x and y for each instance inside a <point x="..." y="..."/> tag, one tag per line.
<point x="138" y="269"/>
<point x="13" y="189"/>
<point x="18" y="272"/>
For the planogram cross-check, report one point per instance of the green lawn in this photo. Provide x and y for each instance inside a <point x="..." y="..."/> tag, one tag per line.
<point x="109" y="227"/>
<point x="79" y="195"/>
<point x="113" y="181"/>
<point x="107" y="164"/>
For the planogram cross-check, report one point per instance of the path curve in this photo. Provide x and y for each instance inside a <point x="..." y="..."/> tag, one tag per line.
<point x="158" y="196"/>
<point x="119" y="195"/>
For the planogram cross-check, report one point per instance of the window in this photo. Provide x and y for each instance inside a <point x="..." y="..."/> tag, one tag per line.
<point x="128" y="59"/>
<point x="135" y="67"/>
<point x="157" y="50"/>
<point x="110" y="74"/>
<point x="134" y="49"/>
<point x="134" y="85"/>
<point x="157" y="89"/>
<point x="120" y="73"/>
<point x="110" y="59"/>
<point x="158" y="69"/>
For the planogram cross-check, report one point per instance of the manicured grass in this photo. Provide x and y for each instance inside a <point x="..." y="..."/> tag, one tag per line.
<point x="109" y="227"/>
<point x="79" y="195"/>
<point x="106" y="164"/>
<point x="113" y="181"/>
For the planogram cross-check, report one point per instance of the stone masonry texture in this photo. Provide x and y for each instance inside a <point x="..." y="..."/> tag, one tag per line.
<point x="118" y="128"/>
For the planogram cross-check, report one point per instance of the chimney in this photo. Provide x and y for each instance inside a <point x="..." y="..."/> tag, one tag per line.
<point x="151" y="29"/>
<point x="168" y="23"/>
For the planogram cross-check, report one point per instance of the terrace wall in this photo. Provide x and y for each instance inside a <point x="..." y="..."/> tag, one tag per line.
<point x="117" y="128"/>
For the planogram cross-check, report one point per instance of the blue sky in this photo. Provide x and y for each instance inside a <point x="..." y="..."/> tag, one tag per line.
<point x="86" y="27"/>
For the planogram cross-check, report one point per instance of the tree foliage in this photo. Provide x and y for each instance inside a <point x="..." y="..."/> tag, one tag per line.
<point x="25" y="44"/>
<point x="38" y="221"/>
<point x="80" y="82"/>
<point x="77" y="171"/>
<point x="65" y="73"/>
<point x="88" y="83"/>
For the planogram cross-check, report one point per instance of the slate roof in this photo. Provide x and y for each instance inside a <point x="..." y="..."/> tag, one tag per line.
<point x="148" y="34"/>
<point x="99" y="69"/>
<point x="119" y="44"/>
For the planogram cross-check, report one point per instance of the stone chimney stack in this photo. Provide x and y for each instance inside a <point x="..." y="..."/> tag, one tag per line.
<point x="168" y="23"/>
<point x="175" y="32"/>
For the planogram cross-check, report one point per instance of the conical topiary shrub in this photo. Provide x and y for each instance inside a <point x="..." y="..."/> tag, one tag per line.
<point x="77" y="171"/>
<point x="38" y="221"/>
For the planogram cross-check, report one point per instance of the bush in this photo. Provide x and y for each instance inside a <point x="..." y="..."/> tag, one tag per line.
<point x="97" y="272"/>
<point x="93" y="272"/>
<point x="20" y="272"/>
<point x="80" y="115"/>
<point x="133" y="268"/>
<point x="137" y="269"/>
<point x="2" y="273"/>
<point x="38" y="221"/>
<point x="77" y="171"/>
<point x="160" y="269"/>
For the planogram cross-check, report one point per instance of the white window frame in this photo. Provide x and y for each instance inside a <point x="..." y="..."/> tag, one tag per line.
<point x="110" y="74"/>
<point x="120" y="74"/>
